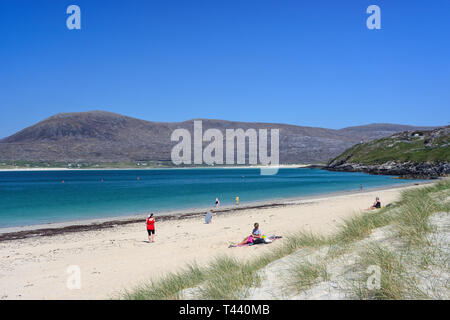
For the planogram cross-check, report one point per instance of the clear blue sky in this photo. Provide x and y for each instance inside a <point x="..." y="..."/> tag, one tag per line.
<point x="309" y="63"/>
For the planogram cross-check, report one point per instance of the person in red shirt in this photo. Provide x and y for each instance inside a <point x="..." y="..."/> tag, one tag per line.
<point x="151" y="228"/>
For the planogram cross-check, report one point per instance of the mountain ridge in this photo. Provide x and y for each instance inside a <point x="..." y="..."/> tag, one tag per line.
<point x="103" y="136"/>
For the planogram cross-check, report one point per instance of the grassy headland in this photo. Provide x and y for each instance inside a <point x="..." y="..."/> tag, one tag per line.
<point x="415" y="146"/>
<point x="420" y="153"/>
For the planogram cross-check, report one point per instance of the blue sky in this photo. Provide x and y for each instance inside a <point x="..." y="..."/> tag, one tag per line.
<point x="311" y="63"/>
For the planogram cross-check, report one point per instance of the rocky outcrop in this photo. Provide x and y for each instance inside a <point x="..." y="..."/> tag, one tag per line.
<point x="404" y="170"/>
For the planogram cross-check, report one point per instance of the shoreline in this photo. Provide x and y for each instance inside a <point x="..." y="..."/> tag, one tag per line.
<point x="95" y="224"/>
<point x="281" y="166"/>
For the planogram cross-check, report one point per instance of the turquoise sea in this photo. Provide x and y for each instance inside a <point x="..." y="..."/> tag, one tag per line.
<point x="36" y="197"/>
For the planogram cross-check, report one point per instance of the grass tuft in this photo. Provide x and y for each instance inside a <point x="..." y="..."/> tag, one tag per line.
<point x="395" y="282"/>
<point x="169" y="286"/>
<point x="304" y="275"/>
<point x="360" y="226"/>
<point x="227" y="279"/>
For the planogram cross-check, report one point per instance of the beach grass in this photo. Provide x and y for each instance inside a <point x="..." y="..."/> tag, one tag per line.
<point x="412" y="219"/>
<point x="395" y="281"/>
<point x="420" y="250"/>
<point x="303" y="275"/>
<point x="229" y="278"/>
<point x="360" y="226"/>
<point x="169" y="286"/>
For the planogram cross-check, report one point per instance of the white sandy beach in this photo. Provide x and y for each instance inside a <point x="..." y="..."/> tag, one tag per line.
<point x="115" y="259"/>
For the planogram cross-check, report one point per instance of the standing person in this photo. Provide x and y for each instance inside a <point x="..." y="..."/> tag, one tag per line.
<point x="208" y="217"/>
<point x="237" y="200"/>
<point x="217" y="202"/>
<point x="151" y="228"/>
<point x="360" y="187"/>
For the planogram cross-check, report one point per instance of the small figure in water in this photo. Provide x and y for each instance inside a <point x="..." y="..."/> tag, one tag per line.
<point x="237" y="200"/>
<point x="217" y="202"/>
<point x="360" y="187"/>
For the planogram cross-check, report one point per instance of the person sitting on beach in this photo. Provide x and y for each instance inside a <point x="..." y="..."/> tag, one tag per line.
<point x="257" y="234"/>
<point x="376" y="204"/>
<point x="255" y="237"/>
<point x="151" y="228"/>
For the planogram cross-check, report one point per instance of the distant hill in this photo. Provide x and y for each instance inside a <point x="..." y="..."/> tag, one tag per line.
<point x="416" y="152"/>
<point x="379" y="130"/>
<point x="100" y="136"/>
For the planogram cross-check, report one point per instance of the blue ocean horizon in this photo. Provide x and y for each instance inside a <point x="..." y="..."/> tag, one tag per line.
<point x="40" y="197"/>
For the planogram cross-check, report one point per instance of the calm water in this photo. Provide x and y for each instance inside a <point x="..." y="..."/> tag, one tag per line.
<point x="28" y="198"/>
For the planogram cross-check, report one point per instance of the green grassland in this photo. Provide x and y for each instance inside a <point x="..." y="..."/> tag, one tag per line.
<point x="403" y="147"/>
